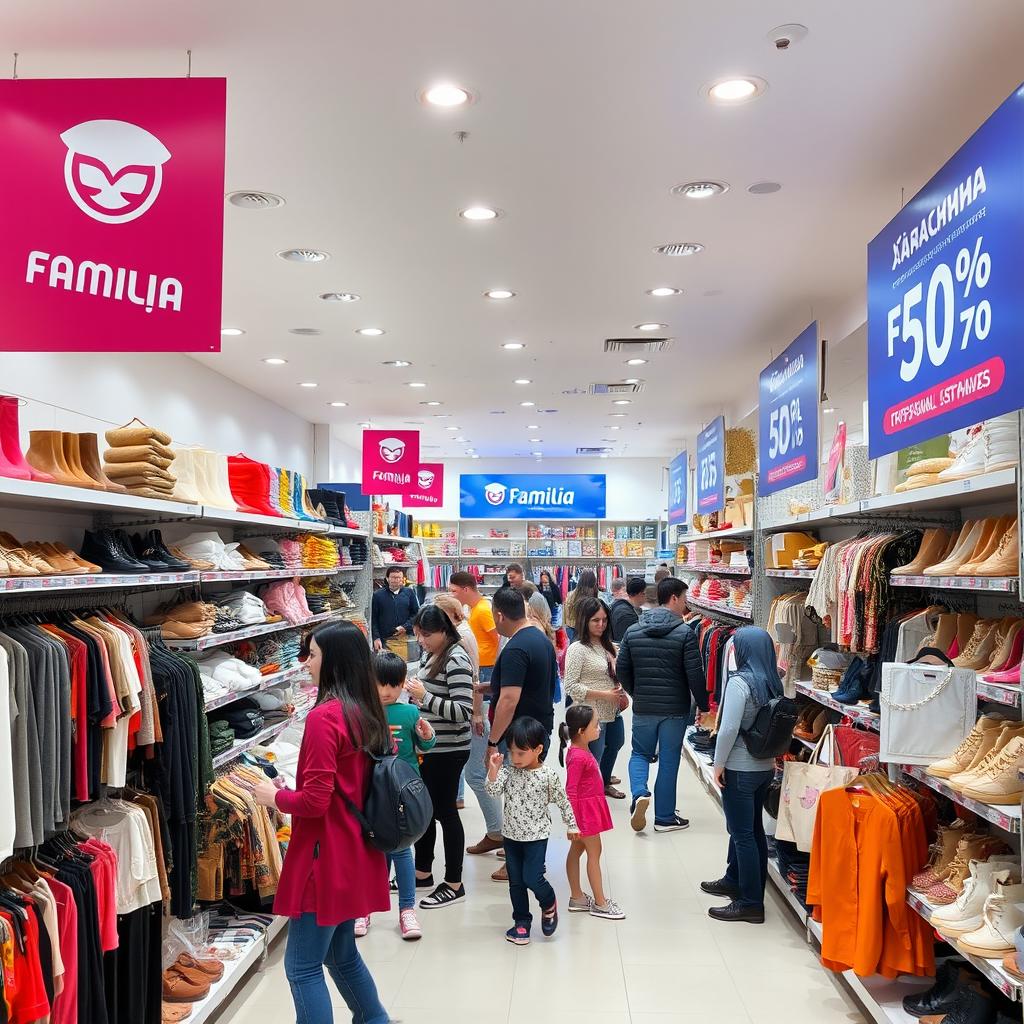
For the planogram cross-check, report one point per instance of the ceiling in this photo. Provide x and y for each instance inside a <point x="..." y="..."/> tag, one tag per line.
<point x="587" y="112"/>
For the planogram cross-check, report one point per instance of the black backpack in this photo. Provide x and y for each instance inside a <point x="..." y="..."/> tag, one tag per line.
<point x="771" y="732"/>
<point x="397" y="809"/>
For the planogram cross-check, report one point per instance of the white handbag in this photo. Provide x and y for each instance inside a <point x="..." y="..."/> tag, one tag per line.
<point x="927" y="710"/>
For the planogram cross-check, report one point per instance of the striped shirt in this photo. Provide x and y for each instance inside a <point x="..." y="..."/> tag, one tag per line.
<point x="448" y="705"/>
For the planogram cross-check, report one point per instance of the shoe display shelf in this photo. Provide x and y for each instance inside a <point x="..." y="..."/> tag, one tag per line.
<point x="344" y="531"/>
<point x="993" y="970"/>
<point x="225" y="517"/>
<point x="241" y="746"/>
<point x="266" y="574"/>
<point x="734" y="531"/>
<point x="204" y="643"/>
<point x="235" y="972"/>
<point x="1007" y="818"/>
<point x="98" y="581"/>
<point x="991" y="584"/>
<point x="790" y="574"/>
<point x="396" y="540"/>
<point x="856" y="712"/>
<point x="288" y="675"/>
<point x="721" y="608"/>
<point x="703" y="766"/>
<point x="715" y="570"/>
<point x="986" y="489"/>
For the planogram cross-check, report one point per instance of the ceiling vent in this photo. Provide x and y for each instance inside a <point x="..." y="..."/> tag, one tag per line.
<point x="679" y="249"/>
<point x="304" y="255"/>
<point x="255" y="200"/>
<point x="305" y="332"/>
<point x="632" y="346"/>
<point x="616" y="389"/>
<point x="593" y="451"/>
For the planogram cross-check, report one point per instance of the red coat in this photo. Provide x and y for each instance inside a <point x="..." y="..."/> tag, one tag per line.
<point x="350" y="877"/>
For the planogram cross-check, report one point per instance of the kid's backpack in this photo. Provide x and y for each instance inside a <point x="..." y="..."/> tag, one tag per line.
<point x="771" y="733"/>
<point x="397" y="809"/>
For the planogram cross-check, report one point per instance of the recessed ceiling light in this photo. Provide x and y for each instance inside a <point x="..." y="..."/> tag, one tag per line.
<point x="462" y="440"/>
<point x="636" y="362"/>
<point x="513" y="346"/>
<point x="622" y="401"/>
<point x="764" y="188"/>
<point x="307" y="384"/>
<point x="304" y="255"/>
<point x="430" y="403"/>
<point x="536" y="453"/>
<point x="470" y="451"/>
<point x="416" y="384"/>
<point x="479" y="213"/>
<point x="453" y="428"/>
<point x="365" y="426"/>
<point x="526" y="404"/>
<point x="396" y="362"/>
<point x="499" y="293"/>
<point x="442" y="415"/>
<point x="613" y="428"/>
<point x="679" y="249"/>
<point x="617" y="414"/>
<point x="474" y="456"/>
<point x="732" y="91"/>
<point x="446" y="94"/>
<point x="533" y="426"/>
<point x="828" y="410"/>
<point x="231" y="332"/>
<point x="662" y="293"/>
<point x="536" y="440"/>
<point x="339" y="405"/>
<point x="255" y="200"/>
<point x="275" y="361"/>
<point x="631" y="380"/>
<point x="522" y="380"/>
<point x="651" y="327"/>
<point x="340" y="297"/>
<point x="700" y="189"/>
<point x="370" y="332"/>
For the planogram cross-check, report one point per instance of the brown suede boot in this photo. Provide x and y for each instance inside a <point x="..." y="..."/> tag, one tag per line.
<point x="46" y="454"/>
<point x="69" y="443"/>
<point x="89" y="453"/>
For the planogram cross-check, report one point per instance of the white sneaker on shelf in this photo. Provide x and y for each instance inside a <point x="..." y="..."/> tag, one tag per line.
<point x="970" y="460"/>
<point x="1002" y="443"/>
<point x="967" y="913"/>
<point x="1002" y="916"/>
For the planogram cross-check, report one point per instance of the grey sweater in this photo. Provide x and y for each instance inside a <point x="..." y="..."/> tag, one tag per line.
<point x="737" y="712"/>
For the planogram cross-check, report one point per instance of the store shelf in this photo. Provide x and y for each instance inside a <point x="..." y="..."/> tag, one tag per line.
<point x="351" y="568"/>
<point x="735" y="531"/>
<point x="996" y="584"/>
<point x="396" y="540"/>
<point x="1006" y="818"/>
<point x="57" y="497"/>
<point x="345" y="531"/>
<point x="785" y="891"/>
<point x="281" y="678"/>
<point x="882" y="998"/>
<point x="993" y="970"/>
<point x="394" y="565"/>
<point x="204" y="643"/>
<point x="791" y="574"/>
<point x="232" y="575"/>
<point x="263" y="736"/>
<point x="702" y="765"/>
<point x="225" y="517"/>
<point x="715" y="570"/>
<point x="721" y="608"/>
<point x="855" y="712"/>
<point x="1001" y="693"/>
<point x="987" y="489"/>
<point x="99" y="581"/>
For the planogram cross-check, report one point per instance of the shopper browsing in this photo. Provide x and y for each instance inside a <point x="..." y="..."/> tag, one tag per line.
<point x="551" y="591"/>
<point x="659" y="666"/>
<point x="514" y="576"/>
<point x="343" y="729"/>
<point x="411" y="734"/>
<point x="586" y="796"/>
<point x="392" y="611"/>
<point x="529" y="788"/>
<point x="444" y="692"/>
<point x="627" y="602"/>
<point x="744" y="779"/>
<point x="586" y="586"/>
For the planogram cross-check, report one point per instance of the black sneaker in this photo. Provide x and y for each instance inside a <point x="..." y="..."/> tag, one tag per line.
<point x="443" y="896"/>
<point x="421" y="883"/>
<point x="674" y="824"/>
<point x="393" y="885"/>
<point x="518" y="935"/>
<point x="549" y="920"/>
<point x="638" y="812"/>
<point x="720" y="887"/>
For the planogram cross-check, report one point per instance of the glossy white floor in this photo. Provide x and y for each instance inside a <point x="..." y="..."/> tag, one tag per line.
<point x="667" y="963"/>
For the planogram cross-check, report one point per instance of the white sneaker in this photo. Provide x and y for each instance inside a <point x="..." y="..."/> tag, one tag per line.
<point x="1002" y="916"/>
<point x="970" y="460"/>
<point x="1001" y="442"/>
<point x="967" y="913"/>
<point x="611" y="911"/>
<point x="362" y="926"/>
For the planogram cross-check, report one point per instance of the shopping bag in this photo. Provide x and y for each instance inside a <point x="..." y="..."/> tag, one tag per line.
<point x="927" y="710"/>
<point x="802" y="786"/>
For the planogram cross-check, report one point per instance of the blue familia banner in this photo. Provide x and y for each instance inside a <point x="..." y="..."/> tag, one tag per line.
<point x="945" y="338"/>
<point x="533" y="496"/>
<point x="787" y="437"/>
<point x="711" y="467"/>
<point x="677" y="480"/>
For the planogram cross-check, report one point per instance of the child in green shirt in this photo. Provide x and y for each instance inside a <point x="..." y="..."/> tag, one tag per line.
<point x="411" y="734"/>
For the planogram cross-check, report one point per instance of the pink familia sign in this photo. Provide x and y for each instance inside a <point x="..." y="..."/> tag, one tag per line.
<point x="115" y="240"/>
<point x="429" y="489"/>
<point x="391" y="461"/>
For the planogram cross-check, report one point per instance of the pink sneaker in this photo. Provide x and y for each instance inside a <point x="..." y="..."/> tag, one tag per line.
<point x="362" y="926"/>
<point x="410" y="925"/>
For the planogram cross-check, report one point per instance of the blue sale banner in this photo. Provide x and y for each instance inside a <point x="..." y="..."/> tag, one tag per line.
<point x="787" y="438"/>
<point x="532" y="496"/>
<point x="945" y="308"/>
<point x="678" y="471"/>
<point x="711" y="467"/>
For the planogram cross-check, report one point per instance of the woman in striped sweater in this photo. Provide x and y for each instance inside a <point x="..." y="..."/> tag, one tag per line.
<point x="444" y="692"/>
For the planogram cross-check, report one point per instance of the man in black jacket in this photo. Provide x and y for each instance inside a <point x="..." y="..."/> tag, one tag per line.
<point x="392" y="609"/>
<point x="659" y="665"/>
<point x="627" y="599"/>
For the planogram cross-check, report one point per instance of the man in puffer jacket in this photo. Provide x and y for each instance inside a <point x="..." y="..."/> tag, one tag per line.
<point x="659" y="666"/>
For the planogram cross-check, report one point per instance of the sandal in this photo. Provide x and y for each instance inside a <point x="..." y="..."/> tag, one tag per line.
<point x="615" y="794"/>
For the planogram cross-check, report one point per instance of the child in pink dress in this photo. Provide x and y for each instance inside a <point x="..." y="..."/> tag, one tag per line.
<point x="585" y="789"/>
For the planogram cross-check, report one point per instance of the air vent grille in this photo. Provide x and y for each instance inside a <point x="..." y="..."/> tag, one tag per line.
<point x="305" y="332"/>
<point x="255" y="200"/>
<point x="634" y="345"/>
<point x="679" y="249"/>
<point x="592" y="451"/>
<point x="615" y="389"/>
<point x="304" y="255"/>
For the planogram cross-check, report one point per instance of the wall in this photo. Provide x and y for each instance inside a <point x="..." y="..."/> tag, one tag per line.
<point x="85" y="392"/>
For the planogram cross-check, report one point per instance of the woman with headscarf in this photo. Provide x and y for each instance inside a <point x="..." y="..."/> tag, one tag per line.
<point x="551" y="591"/>
<point x="744" y="779"/>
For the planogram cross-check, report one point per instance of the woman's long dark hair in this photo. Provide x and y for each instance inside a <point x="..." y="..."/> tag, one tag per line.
<point x="586" y="586"/>
<point x="431" y="619"/>
<point x="346" y="675"/>
<point x="553" y="593"/>
<point x="585" y="611"/>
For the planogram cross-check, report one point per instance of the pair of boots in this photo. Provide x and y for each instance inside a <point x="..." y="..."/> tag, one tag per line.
<point x="985" y="765"/>
<point x="69" y="459"/>
<point x="990" y="447"/>
<point x="12" y="462"/>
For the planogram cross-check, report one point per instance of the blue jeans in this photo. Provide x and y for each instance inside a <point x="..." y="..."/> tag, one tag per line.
<point x="657" y="741"/>
<point x="614" y="736"/>
<point x="743" y="796"/>
<point x="597" y="747"/>
<point x="405" y="873"/>
<point x="479" y="742"/>
<point x="525" y="865"/>
<point x="310" y="949"/>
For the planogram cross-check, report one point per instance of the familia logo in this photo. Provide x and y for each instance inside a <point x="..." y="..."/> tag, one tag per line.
<point x="497" y="494"/>
<point x="392" y="450"/>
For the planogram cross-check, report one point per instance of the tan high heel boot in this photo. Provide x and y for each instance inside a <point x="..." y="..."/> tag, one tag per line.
<point x="46" y="453"/>
<point x="993" y="535"/>
<point x="965" y="545"/>
<point x="1005" y="560"/>
<point x="89" y="457"/>
<point x="73" y="460"/>
<point x="933" y="545"/>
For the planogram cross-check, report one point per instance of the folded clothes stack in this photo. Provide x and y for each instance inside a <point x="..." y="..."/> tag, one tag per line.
<point x="288" y="599"/>
<point x="287" y="648"/>
<point x="319" y="552"/>
<point x="222" y="674"/>
<point x="268" y="550"/>
<point x="244" y="718"/>
<point x="291" y="552"/>
<point x="140" y="459"/>
<point x="222" y="737"/>
<point x="810" y="557"/>
<point x="359" y="551"/>
<point x="208" y="546"/>
<point x="186" y="620"/>
<point x="245" y="607"/>
<point x="318" y="592"/>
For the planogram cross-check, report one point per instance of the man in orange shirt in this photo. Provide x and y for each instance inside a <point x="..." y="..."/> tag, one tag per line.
<point x="463" y="587"/>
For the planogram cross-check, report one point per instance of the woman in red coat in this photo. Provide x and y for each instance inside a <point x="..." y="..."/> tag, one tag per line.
<point x="330" y="875"/>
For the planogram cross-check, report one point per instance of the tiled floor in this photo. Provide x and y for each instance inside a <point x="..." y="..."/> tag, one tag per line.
<point x="667" y="963"/>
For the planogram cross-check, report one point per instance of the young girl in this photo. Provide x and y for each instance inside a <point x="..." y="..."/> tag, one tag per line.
<point x="585" y="789"/>
<point x="529" y="788"/>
